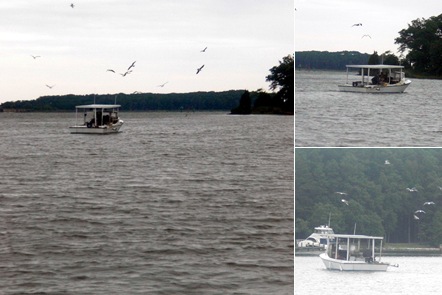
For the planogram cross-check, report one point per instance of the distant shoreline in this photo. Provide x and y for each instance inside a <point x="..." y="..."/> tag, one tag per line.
<point x="389" y="250"/>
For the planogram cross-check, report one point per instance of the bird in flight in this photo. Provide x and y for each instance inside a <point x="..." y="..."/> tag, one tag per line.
<point x="110" y="70"/>
<point x="127" y="73"/>
<point x="344" y="201"/>
<point x="162" y="85"/>
<point x="72" y="5"/>
<point x="366" y="36"/>
<point x="132" y="65"/>
<point x="413" y="189"/>
<point x="415" y="217"/>
<point x="419" y="211"/>
<point x="50" y="86"/>
<point x="341" y="193"/>
<point x="35" y="56"/>
<point x="199" y="69"/>
<point x="357" y="25"/>
<point x="387" y="162"/>
<point x="204" y="50"/>
<point x="429" y="203"/>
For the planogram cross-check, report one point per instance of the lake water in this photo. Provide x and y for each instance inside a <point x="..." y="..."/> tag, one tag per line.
<point x="415" y="275"/>
<point x="326" y="117"/>
<point x="176" y="203"/>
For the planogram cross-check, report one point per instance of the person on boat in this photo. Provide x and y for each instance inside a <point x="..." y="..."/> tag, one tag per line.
<point x="383" y="78"/>
<point x="375" y="80"/>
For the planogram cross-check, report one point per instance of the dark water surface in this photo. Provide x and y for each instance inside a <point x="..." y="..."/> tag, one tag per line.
<point x="197" y="203"/>
<point x="326" y="117"/>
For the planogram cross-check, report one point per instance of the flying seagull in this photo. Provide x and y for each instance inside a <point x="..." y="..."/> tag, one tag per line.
<point x="387" y="162"/>
<point x="72" y="5"/>
<point x="35" y="56"/>
<point x="127" y="73"/>
<point x="419" y="211"/>
<point x="132" y="65"/>
<point x="199" y="69"/>
<point x="413" y="189"/>
<point x="415" y="217"/>
<point x="344" y="201"/>
<point x="366" y="36"/>
<point x="204" y="50"/>
<point x="429" y="203"/>
<point x="162" y="85"/>
<point x="357" y="25"/>
<point x="341" y="193"/>
<point x="50" y="86"/>
<point x="110" y="70"/>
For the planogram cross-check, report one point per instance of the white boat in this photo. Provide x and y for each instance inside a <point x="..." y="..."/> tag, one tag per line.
<point x="354" y="253"/>
<point x="382" y="79"/>
<point x="318" y="238"/>
<point x="97" y="119"/>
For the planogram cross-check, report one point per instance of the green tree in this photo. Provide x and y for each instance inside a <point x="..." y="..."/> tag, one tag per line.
<point x="282" y="77"/>
<point x="374" y="59"/>
<point x="423" y="42"/>
<point x="245" y="105"/>
<point x="389" y="58"/>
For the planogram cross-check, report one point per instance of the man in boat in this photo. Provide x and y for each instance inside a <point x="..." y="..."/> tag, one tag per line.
<point x="375" y="80"/>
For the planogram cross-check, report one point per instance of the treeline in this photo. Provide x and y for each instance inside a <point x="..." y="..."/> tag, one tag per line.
<point x="422" y="41"/>
<point x="198" y="101"/>
<point x="325" y="60"/>
<point x="383" y="187"/>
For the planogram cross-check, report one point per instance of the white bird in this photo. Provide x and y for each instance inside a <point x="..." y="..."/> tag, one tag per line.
<point x="429" y="203"/>
<point x="419" y="211"/>
<point x="387" y="162"/>
<point x="344" y="201"/>
<point x="132" y="65"/>
<point x="366" y="36"/>
<point x="204" y="50"/>
<point x="415" y="217"/>
<point x="341" y="193"/>
<point x="413" y="189"/>
<point x="440" y="187"/>
<point x="35" y="56"/>
<point x="50" y="86"/>
<point x="199" y="69"/>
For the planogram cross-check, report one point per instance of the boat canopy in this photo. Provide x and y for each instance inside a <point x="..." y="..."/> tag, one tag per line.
<point x="355" y="237"/>
<point x="375" y="66"/>
<point x="98" y="106"/>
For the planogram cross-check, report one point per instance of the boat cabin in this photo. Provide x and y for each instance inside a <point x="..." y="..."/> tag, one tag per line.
<point x="355" y="247"/>
<point x="95" y="115"/>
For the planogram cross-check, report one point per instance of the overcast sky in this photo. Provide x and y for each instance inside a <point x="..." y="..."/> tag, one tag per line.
<point x="326" y="25"/>
<point x="244" y="39"/>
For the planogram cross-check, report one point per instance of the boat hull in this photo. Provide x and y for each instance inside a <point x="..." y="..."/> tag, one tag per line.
<point x="394" y="88"/>
<point x="105" y="129"/>
<point x="344" y="265"/>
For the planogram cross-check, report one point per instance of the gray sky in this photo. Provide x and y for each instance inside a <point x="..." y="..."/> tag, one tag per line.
<point x="245" y="38"/>
<point x="326" y="25"/>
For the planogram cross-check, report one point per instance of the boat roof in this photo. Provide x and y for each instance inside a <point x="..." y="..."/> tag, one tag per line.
<point x="363" y="237"/>
<point x="98" y="106"/>
<point x="323" y="227"/>
<point x="375" y="66"/>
